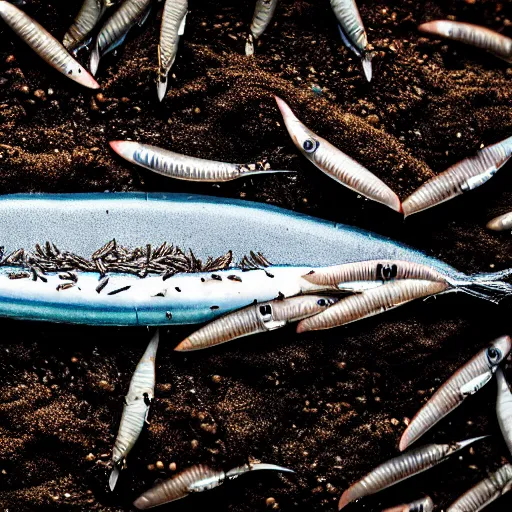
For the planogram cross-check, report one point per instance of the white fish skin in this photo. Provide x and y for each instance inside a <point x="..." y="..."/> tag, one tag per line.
<point x="85" y="21"/>
<point x="504" y="408"/>
<point x="45" y="45"/>
<point x="263" y="14"/>
<point x="422" y="505"/>
<point x="501" y="223"/>
<point x="136" y="408"/>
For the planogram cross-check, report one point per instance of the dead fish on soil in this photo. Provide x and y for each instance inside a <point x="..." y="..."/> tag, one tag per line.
<point x="485" y="492"/>
<point x="195" y="479"/>
<point x="501" y="223"/>
<point x="116" y="28"/>
<point x="504" y="408"/>
<point x="353" y="33"/>
<point x="335" y="163"/>
<point x="462" y="177"/>
<point x="400" y="468"/>
<point x="466" y="381"/>
<point x="422" y="505"/>
<point x="262" y="17"/>
<point x="481" y="37"/>
<point x="182" y="167"/>
<point x="172" y="28"/>
<point x="90" y="14"/>
<point x="136" y="409"/>
<point x="45" y="45"/>
<point x="255" y="319"/>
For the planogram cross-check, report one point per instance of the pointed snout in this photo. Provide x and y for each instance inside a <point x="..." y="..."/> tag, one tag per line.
<point x="84" y="78"/>
<point x="463" y="444"/>
<point x="438" y="27"/>
<point x="286" y="111"/>
<point x="124" y="148"/>
<point x="142" y="503"/>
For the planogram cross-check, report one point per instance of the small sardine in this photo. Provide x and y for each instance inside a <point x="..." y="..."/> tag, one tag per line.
<point x="173" y="26"/>
<point x="364" y="275"/>
<point x="136" y="408"/>
<point x="501" y="223"/>
<point x="352" y="32"/>
<point x="370" y="303"/>
<point x="400" y="468"/>
<point x="485" y="492"/>
<point x="481" y="37"/>
<point x="335" y="163"/>
<point x="116" y="28"/>
<point x="182" y="167"/>
<point x="262" y="17"/>
<point x="88" y="17"/>
<point x="504" y="408"/>
<point x="465" y="381"/>
<point x="422" y="505"/>
<point x="255" y="319"/>
<point x="195" y="479"/>
<point x="45" y="45"/>
<point x="462" y="177"/>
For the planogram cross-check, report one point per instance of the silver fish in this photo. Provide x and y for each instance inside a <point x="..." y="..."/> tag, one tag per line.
<point x="88" y="17"/>
<point x="116" y="28"/>
<point x="400" y="468"/>
<point x="263" y="14"/>
<point x="255" y="319"/>
<point x="504" y="408"/>
<point x="352" y="32"/>
<point x="453" y="392"/>
<point x="173" y="26"/>
<point x="501" y="223"/>
<point x="422" y="505"/>
<point x="370" y="303"/>
<point x="335" y="163"/>
<point x="45" y="45"/>
<point x="364" y="275"/>
<point x="195" y="479"/>
<point x="136" y="408"/>
<point x="481" y="37"/>
<point x="462" y="177"/>
<point x="182" y="167"/>
<point x="485" y="492"/>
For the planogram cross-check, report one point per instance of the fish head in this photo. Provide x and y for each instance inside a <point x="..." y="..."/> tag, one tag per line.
<point x="498" y="351"/>
<point x="305" y="140"/>
<point x="455" y="447"/>
<point x="80" y="75"/>
<point x="443" y="28"/>
<point x="125" y="149"/>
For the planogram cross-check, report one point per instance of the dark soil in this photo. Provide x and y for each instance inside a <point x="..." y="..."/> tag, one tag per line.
<point x="330" y="405"/>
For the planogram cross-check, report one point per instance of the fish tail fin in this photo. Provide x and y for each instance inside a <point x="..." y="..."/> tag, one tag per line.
<point x="489" y="286"/>
<point x="114" y="476"/>
<point x="366" y="59"/>
<point x="249" y="45"/>
<point x="161" y="86"/>
<point x="94" y="62"/>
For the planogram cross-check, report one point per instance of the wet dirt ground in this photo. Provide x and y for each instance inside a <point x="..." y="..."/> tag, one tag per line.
<point x="330" y="405"/>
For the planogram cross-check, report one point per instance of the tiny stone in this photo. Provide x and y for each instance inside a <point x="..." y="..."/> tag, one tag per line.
<point x="394" y="421"/>
<point x="216" y="379"/>
<point x="172" y="466"/>
<point x="100" y="97"/>
<point x="160" y="465"/>
<point x="67" y="495"/>
<point x="25" y="89"/>
<point x="40" y="94"/>
<point x="10" y="59"/>
<point x="197" y="110"/>
<point x="74" y="359"/>
<point x="270" y="502"/>
<point x="194" y="444"/>
<point x="90" y="457"/>
<point x="373" y="119"/>
<point x="151" y="467"/>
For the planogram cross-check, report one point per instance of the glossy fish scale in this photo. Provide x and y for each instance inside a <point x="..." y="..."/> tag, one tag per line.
<point x="504" y="408"/>
<point x="474" y="35"/>
<point x="371" y="302"/>
<point x="89" y="15"/>
<point x="448" y="396"/>
<point x="45" y="45"/>
<point x="461" y="177"/>
<point x="255" y="319"/>
<point x="335" y="163"/>
<point x="485" y="492"/>
<point x="348" y="16"/>
<point x="263" y="15"/>
<point x="422" y="505"/>
<point x="501" y="223"/>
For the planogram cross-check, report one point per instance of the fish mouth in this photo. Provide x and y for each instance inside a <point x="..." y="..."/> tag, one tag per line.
<point x="438" y="27"/>
<point x="85" y="79"/>
<point x="123" y="148"/>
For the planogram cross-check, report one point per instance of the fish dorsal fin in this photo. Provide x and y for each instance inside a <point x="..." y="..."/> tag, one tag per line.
<point x="181" y="30"/>
<point x="347" y="42"/>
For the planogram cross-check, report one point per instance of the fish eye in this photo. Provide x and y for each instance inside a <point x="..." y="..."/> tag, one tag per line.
<point x="494" y="355"/>
<point x="266" y="310"/>
<point x="310" y="145"/>
<point x="322" y="302"/>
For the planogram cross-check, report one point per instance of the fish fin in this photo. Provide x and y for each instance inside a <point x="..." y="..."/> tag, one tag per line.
<point x="249" y="45"/>
<point x="475" y="384"/>
<point x="493" y="291"/>
<point x="94" y="62"/>
<point x="367" y="65"/>
<point x="144" y="17"/>
<point x="114" y="476"/>
<point x="161" y="86"/>
<point x="116" y="44"/>
<point x="181" y="30"/>
<point x="347" y="42"/>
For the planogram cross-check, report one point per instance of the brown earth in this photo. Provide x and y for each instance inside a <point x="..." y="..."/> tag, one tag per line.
<point x="330" y="405"/>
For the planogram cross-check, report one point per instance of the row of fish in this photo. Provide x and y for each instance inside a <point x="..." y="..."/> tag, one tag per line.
<point x="135" y="416"/>
<point x="462" y="177"/>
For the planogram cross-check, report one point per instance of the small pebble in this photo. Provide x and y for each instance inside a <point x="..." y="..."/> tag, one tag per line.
<point x="216" y="379"/>
<point x="194" y="444"/>
<point x="172" y="466"/>
<point x="90" y="457"/>
<point x="151" y="467"/>
<point x="159" y="465"/>
<point x="270" y="502"/>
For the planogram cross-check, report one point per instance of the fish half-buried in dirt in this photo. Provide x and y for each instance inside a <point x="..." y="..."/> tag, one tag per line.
<point x="262" y="17"/>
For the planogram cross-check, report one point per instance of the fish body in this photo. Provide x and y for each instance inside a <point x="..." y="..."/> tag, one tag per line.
<point x="504" y="408"/>
<point x="422" y="505"/>
<point x="485" y="492"/>
<point x="173" y="26"/>
<point x="136" y="408"/>
<point x="462" y="177"/>
<point x="263" y="14"/>
<point x="481" y="37"/>
<point x="453" y="392"/>
<point x="182" y="167"/>
<point x="115" y="29"/>
<point x="255" y="319"/>
<point x="370" y="303"/>
<point x="352" y="32"/>
<point x="400" y="468"/>
<point x="501" y="223"/>
<point x="336" y="164"/>
<point x="197" y="478"/>
<point x="88" y="17"/>
<point x="45" y="45"/>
